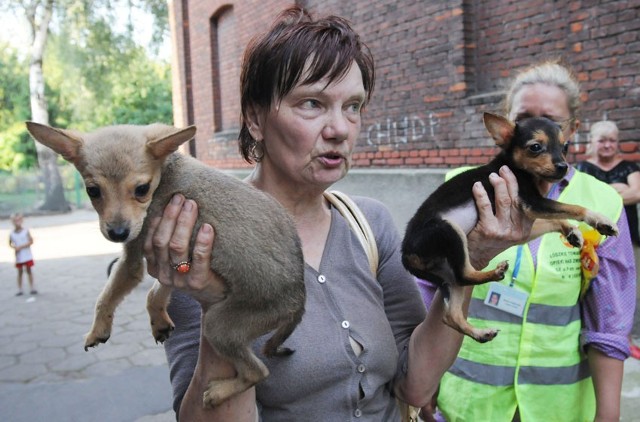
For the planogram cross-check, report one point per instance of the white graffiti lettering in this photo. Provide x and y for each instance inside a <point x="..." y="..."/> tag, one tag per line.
<point x="401" y="131"/>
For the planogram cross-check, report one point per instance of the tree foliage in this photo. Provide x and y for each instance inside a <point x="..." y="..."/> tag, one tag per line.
<point x="16" y="149"/>
<point x="108" y="80"/>
<point x="14" y="86"/>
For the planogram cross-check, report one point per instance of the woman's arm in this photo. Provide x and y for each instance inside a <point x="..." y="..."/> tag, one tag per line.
<point x="630" y="191"/>
<point x="607" y="314"/>
<point x="607" y="381"/>
<point x="168" y="243"/>
<point x="433" y="345"/>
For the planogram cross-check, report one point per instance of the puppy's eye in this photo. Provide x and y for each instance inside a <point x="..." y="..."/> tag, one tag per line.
<point x="93" y="192"/>
<point x="565" y="148"/>
<point x="535" y="148"/>
<point x="142" y="190"/>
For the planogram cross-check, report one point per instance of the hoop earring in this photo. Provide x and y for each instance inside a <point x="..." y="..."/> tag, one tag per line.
<point x="257" y="151"/>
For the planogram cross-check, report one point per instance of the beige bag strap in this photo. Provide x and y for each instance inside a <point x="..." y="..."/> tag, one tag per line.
<point x="358" y="224"/>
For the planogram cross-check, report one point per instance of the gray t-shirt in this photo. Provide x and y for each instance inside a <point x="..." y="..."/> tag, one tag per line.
<point x="324" y="379"/>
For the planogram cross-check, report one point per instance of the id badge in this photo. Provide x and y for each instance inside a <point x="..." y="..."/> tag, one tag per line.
<point x="506" y="298"/>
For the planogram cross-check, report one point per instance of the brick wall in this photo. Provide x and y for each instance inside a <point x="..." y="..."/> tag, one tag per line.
<point x="215" y="33"/>
<point x="439" y="64"/>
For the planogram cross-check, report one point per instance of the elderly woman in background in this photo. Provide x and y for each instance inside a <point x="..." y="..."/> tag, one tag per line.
<point x="606" y="164"/>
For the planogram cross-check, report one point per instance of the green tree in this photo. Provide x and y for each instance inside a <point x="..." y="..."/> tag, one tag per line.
<point x="16" y="149"/>
<point x="146" y="100"/>
<point x="14" y="87"/>
<point x="107" y="80"/>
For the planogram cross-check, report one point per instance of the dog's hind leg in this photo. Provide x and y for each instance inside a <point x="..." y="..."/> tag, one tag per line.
<point x="157" y="302"/>
<point x="455" y="318"/>
<point x="127" y="275"/>
<point x="469" y="275"/>
<point x="250" y="371"/>
<point x="229" y="330"/>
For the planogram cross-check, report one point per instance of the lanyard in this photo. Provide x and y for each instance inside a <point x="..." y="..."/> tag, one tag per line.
<point x="516" y="266"/>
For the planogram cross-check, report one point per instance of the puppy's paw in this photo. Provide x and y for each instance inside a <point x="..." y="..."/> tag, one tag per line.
<point x="92" y="340"/>
<point x="161" y="325"/>
<point x="501" y="269"/>
<point x="574" y="237"/>
<point x="607" y="228"/>
<point x="601" y="223"/>
<point x="161" y="334"/>
<point x="100" y="330"/>
<point x="483" y="336"/>
<point x="213" y="395"/>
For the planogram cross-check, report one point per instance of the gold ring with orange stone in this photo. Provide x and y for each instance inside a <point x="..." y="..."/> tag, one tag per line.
<point x="182" y="267"/>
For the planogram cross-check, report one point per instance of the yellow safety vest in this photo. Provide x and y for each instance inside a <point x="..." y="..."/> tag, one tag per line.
<point x="535" y="363"/>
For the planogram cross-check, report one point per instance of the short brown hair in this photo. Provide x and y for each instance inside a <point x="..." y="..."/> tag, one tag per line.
<point x="274" y="62"/>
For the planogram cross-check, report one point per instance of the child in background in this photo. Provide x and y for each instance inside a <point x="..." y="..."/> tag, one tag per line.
<point x="20" y="239"/>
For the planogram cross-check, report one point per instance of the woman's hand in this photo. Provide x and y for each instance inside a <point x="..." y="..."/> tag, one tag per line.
<point x="167" y="244"/>
<point x="507" y="227"/>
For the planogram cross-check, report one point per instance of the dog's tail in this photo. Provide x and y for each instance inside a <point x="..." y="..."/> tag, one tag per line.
<point x="273" y="346"/>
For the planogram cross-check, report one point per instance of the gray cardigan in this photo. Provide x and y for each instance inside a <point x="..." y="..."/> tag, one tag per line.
<point x="324" y="379"/>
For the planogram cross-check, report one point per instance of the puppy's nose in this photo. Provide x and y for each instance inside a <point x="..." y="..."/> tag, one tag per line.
<point x="118" y="234"/>
<point x="561" y="168"/>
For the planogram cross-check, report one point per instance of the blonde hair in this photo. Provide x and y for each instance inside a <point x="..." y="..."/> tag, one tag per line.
<point x="597" y="130"/>
<point x="550" y="72"/>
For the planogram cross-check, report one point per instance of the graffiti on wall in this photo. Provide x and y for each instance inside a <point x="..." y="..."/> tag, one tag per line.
<point x="402" y="130"/>
<point x="413" y="129"/>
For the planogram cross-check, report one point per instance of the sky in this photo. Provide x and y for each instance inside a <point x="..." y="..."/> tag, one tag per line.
<point x="15" y="29"/>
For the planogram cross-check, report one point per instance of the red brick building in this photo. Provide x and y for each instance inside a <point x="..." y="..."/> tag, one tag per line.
<point x="439" y="64"/>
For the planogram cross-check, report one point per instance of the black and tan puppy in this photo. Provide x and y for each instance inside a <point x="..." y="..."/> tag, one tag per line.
<point x="130" y="173"/>
<point x="435" y="243"/>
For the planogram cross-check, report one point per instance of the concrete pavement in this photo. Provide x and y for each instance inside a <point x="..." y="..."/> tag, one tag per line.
<point x="45" y="374"/>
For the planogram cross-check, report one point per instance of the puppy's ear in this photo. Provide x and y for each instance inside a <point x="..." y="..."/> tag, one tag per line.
<point x="164" y="140"/>
<point x="500" y="129"/>
<point x="64" y="142"/>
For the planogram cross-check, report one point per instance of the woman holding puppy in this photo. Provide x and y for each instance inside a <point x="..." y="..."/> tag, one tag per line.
<point x="561" y="358"/>
<point x="363" y="339"/>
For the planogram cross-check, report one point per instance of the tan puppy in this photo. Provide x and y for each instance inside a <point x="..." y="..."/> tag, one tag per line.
<point x="131" y="172"/>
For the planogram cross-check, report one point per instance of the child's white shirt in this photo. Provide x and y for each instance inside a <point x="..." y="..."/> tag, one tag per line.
<point x="18" y="239"/>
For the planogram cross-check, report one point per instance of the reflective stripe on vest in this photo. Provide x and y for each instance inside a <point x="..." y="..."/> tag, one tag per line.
<point x="504" y="375"/>
<point x="537" y="313"/>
